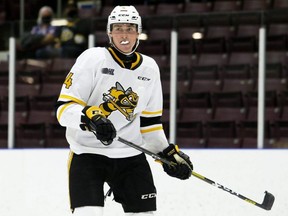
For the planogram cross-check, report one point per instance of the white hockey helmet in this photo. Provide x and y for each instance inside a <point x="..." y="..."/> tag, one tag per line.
<point x="124" y="14"/>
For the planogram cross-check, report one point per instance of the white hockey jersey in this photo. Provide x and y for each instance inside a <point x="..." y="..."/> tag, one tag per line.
<point x="126" y="96"/>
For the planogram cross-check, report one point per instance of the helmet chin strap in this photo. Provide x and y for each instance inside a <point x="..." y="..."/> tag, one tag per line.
<point x="127" y="54"/>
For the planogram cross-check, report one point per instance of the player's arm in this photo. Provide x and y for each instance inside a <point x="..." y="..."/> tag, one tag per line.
<point x="87" y="118"/>
<point x="153" y="133"/>
<point x="75" y="91"/>
<point x="150" y="121"/>
<point x="72" y="109"/>
<point x="156" y="142"/>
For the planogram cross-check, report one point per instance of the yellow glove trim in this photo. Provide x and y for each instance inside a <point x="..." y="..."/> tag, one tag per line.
<point x="94" y="110"/>
<point x="177" y="148"/>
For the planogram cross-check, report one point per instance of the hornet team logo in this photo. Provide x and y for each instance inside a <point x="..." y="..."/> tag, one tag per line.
<point x="120" y="99"/>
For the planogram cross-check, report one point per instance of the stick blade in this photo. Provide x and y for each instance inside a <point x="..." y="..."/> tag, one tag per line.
<point x="268" y="201"/>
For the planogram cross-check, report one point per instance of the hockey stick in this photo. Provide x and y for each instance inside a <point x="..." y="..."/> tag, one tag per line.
<point x="268" y="198"/>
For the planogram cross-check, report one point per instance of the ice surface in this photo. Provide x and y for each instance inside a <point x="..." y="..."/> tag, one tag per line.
<point x="34" y="183"/>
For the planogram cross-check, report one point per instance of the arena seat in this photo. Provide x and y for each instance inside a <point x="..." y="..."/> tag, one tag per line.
<point x="277" y="28"/>
<point x="242" y="44"/>
<point x="30" y="136"/>
<point x="205" y="79"/>
<point x="212" y="59"/>
<point x="166" y="8"/>
<point x="152" y="48"/>
<point x="146" y="10"/>
<point x="256" y="5"/>
<point x="162" y="60"/>
<point x="283" y="103"/>
<point x="272" y="107"/>
<point x="275" y="57"/>
<point x="183" y="84"/>
<point x="42" y="109"/>
<point x="280" y="130"/>
<point x="275" y="78"/>
<point x="61" y="65"/>
<point x="237" y="78"/>
<point x="195" y="107"/>
<point x="277" y="42"/>
<point x="4" y="77"/>
<point x="210" y="45"/>
<point x="3" y="135"/>
<point x="52" y="85"/>
<point x="186" y="61"/>
<point x="215" y="31"/>
<point x="21" y="110"/>
<point x="56" y="136"/>
<point x="279" y="4"/>
<point x="28" y="83"/>
<point x="228" y="106"/>
<point x="190" y="135"/>
<point x="243" y="58"/>
<point x="197" y="7"/>
<point x="222" y="134"/>
<point x="227" y="5"/>
<point x="247" y="131"/>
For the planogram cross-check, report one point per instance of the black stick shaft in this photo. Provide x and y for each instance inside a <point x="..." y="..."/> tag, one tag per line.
<point x="153" y="155"/>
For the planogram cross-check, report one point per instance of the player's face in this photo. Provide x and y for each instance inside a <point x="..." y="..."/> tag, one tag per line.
<point x="124" y="36"/>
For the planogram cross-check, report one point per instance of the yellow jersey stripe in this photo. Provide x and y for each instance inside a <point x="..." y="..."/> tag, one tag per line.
<point x="63" y="108"/>
<point x="151" y="129"/>
<point x="73" y="99"/>
<point x="152" y="113"/>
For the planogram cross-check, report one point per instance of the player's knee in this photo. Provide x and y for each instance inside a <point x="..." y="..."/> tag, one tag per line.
<point x="88" y="211"/>
<point x="150" y="213"/>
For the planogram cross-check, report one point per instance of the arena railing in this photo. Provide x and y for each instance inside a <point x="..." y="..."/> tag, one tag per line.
<point x="11" y="31"/>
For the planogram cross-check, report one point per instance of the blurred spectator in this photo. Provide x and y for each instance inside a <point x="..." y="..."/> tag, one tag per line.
<point x="73" y="36"/>
<point x="42" y="41"/>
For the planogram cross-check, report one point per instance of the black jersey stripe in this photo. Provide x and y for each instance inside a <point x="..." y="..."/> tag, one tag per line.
<point x="145" y="121"/>
<point x="60" y="103"/>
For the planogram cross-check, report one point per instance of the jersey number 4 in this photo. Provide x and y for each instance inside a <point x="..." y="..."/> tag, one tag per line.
<point x="68" y="80"/>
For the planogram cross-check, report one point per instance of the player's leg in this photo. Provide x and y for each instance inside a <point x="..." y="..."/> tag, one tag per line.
<point x="133" y="186"/>
<point x="86" y="181"/>
<point x="88" y="211"/>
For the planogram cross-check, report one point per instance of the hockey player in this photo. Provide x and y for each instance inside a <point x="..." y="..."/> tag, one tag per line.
<point x="109" y="92"/>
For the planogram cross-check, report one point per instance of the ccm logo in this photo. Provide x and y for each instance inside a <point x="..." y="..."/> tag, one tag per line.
<point x="148" y="196"/>
<point x="143" y="78"/>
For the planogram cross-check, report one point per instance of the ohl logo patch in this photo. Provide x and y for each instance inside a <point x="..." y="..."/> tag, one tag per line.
<point x="120" y="99"/>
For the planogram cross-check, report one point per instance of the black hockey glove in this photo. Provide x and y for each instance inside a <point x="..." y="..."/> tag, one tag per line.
<point x="94" y="120"/>
<point x="182" y="166"/>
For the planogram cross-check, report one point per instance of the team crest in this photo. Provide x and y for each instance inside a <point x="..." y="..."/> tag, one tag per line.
<point x="120" y="99"/>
